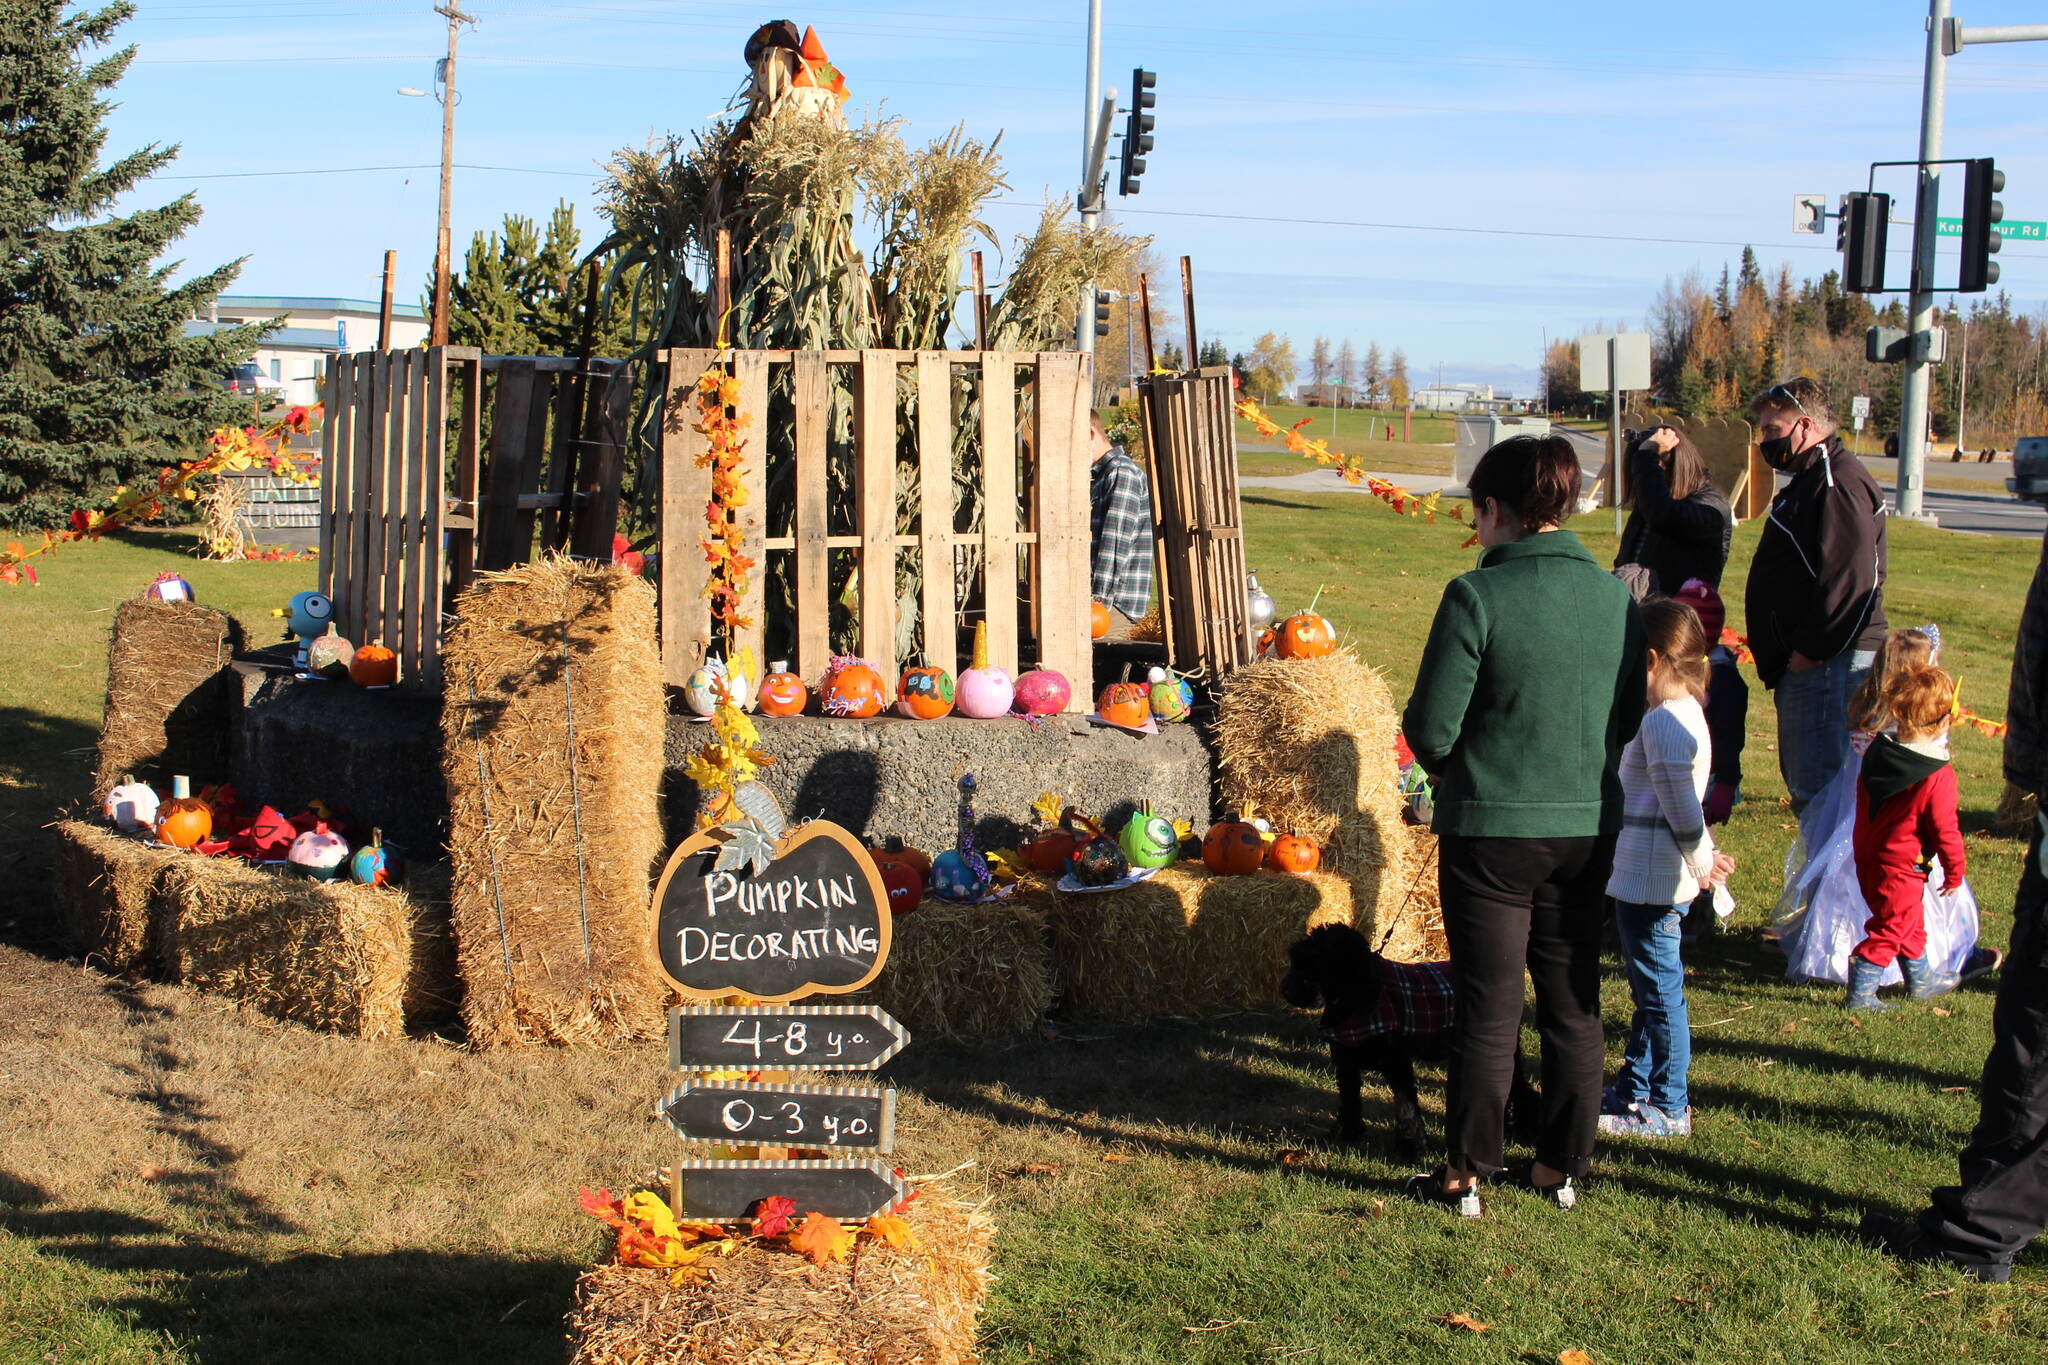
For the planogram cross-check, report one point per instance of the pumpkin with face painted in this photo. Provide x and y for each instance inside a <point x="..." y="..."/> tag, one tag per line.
<point x="925" y="693"/>
<point x="1149" y="840"/>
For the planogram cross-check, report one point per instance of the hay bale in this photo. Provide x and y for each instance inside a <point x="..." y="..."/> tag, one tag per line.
<point x="330" y="955"/>
<point x="1187" y="941"/>
<point x="547" y="956"/>
<point x="1415" y="922"/>
<point x="433" y="988"/>
<point x="1309" y="745"/>
<point x="968" y="971"/>
<point x="764" y="1306"/>
<point x="170" y="700"/>
<point x="108" y="889"/>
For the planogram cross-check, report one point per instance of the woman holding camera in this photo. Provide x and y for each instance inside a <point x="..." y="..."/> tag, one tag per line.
<point x="1532" y="682"/>
<point x="1679" y="524"/>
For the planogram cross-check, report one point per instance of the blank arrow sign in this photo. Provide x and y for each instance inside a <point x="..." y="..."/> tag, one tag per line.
<point x="852" y="1190"/>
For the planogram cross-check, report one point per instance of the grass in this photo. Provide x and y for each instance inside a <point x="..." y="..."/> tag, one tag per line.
<point x="179" y="1183"/>
<point x="1342" y="425"/>
<point x="1381" y="457"/>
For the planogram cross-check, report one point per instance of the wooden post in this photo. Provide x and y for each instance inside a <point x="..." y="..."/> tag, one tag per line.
<point x="721" y="296"/>
<point x="1187" y="302"/>
<point x="1145" y="318"/>
<point x="384" y="309"/>
<point x="573" y="528"/>
<point x="980" y="307"/>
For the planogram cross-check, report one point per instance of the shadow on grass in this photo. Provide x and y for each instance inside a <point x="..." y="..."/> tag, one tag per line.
<point x="46" y="762"/>
<point x="1261" y="499"/>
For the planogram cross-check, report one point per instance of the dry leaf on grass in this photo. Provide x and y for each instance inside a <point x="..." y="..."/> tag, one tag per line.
<point x="1937" y="1294"/>
<point x="1790" y="1028"/>
<point x="1956" y="1089"/>
<point x="1574" y="1356"/>
<point x="1944" y="1013"/>
<point x="1379" y="1208"/>
<point x="151" y="1173"/>
<point x="1464" y="1320"/>
<point x="1293" y="1156"/>
<point x="1116" y="1156"/>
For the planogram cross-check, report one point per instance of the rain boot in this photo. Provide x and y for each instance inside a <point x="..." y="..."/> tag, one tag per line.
<point x="1923" y="980"/>
<point x="1863" y="978"/>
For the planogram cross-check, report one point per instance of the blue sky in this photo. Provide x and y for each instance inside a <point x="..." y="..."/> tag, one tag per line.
<point x="1310" y="158"/>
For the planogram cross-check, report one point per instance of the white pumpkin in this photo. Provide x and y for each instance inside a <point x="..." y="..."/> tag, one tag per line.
<point x="319" y="853"/>
<point x="131" y="806"/>
<point x="700" y="693"/>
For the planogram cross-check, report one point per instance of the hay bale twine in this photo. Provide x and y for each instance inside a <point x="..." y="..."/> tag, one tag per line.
<point x="765" y="1306"/>
<point x="968" y="971"/>
<point x="170" y="699"/>
<point x="554" y="841"/>
<point x="330" y="955"/>
<point x="1309" y="745"/>
<point x="108" y="890"/>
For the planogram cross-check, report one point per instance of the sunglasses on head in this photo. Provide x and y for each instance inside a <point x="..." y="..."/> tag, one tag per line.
<point x="1781" y="392"/>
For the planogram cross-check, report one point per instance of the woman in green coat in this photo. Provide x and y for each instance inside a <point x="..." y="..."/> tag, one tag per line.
<point x="1532" y="681"/>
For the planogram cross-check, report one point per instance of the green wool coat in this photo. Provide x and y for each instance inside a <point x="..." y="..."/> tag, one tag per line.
<point x="1530" y="685"/>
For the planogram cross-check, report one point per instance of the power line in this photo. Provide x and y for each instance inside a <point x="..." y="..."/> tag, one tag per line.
<point x="368" y="170"/>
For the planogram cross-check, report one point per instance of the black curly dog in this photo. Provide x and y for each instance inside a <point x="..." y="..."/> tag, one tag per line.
<point x="1334" y="966"/>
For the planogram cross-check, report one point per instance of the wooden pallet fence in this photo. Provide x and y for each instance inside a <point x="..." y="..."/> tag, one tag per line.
<point x="1032" y="478"/>
<point x="1198" y="521"/>
<point x="1728" y="445"/>
<point x="412" y="506"/>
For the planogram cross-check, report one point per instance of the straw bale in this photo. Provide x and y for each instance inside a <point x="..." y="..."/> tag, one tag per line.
<point x="109" y="894"/>
<point x="765" y="1306"/>
<point x="542" y="651"/>
<point x="968" y="971"/>
<point x="170" y="700"/>
<point x="1414" y="919"/>
<point x="1309" y="745"/>
<point x="1187" y="941"/>
<point x="433" y="990"/>
<point x="330" y="955"/>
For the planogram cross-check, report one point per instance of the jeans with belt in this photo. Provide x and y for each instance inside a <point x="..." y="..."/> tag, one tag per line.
<point x="1813" y="722"/>
<point x="1659" y="1033"/>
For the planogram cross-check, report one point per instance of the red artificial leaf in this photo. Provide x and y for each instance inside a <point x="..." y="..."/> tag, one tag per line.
<point x="772" y="1215"/>
<point x="821" y="1238"/>
<point x="601" y="1205"/>
<point x="81" y="520"/>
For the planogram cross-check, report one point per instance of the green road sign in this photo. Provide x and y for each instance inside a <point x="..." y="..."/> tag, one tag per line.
<point x="2011" y="230"/>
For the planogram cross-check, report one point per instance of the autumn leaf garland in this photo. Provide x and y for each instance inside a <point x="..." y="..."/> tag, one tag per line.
<point x="652" y="1237"/>
<point x="720" y="422"/>
<point x="1424" y="505"/>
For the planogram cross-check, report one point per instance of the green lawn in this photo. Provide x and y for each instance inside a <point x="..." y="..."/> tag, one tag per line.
<point x="1380" y="457"/>
<point x="1341" y="426"/>
<point x="327" y="1202"/>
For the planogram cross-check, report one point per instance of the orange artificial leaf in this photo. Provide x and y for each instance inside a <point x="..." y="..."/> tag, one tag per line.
<point x="888" y="1228"/>
<point x="772" y="1215"/>
<point x="1463" y="1320"/>
<point x="821" y="1238"/>
<point x="1574" y="1356"/>
<point x="598" y="1204"/>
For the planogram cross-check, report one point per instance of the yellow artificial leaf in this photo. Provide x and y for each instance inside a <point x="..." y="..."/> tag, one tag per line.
<point x="1048" y="807"/>
<point x="651" y="1209"/>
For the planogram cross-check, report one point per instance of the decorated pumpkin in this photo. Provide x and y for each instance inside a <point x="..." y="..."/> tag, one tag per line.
<point x="1127" y="704"/>
<point x="1233" y="848"/>
<point x="925" y="693"/>
<point x="983" y="692"/>
<point x="1305" y="635"/>
<point x="329" y="655"/>
<point x="894" y="850"/>
<point x="904" y="886"/>
<point x="716" y="681"/>
<point x="269" y="836"/>
<point x="1169" y="694"/>
<point x="1098" y="619"/>
<point x="1148" y="840"/>
<point x="1042" y="692"/>
<point x="852" y="689"/>
<point x="184" y="820"/>
<point x="376" y="863"/>
<point x="170" y="587"/>
<point x="131" y="806"/>
<point x="1267" y="639"/>
<point x="782" y="692"/>
<point x="1294" y="853"/>
<point x="319" y="853"/>
<point x="958" y="876"/>
<point x="1049" y="852"/>
<point x="373" y="666"/>
<point x="1100" y="861"/>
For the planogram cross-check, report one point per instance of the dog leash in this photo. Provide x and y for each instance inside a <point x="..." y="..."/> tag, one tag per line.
<point x="1410" y="895"/>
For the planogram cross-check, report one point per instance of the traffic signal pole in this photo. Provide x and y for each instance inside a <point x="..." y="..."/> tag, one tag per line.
<point x="1913" y="411"/>
<point x="1091" y="172"/>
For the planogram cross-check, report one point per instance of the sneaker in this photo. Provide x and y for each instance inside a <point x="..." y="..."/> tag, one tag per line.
<point x="1647" y="1121"/>
<point x="1612" y="1101"/>
<point x="1907" y="1242"/>
<point x="1981" y="962"/>
<point x="1561" y="1195"/>
<point x="1429" y="1189"/>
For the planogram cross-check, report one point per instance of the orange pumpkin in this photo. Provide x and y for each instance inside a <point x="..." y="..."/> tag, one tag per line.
<point x="852" y="689"/>
<point x="1050" y="852"/>
<point x="1294" y="853"/>
<point x="373" y="666"/>
<point x="184" y="820"/>
<point x="1125" y="703"/>
<point x="1098" y="619"/>
<point x="1305" y="635"/>
<point x="925" y="693"/>
<point x="1267" y="638"/>
<point x="894" y="850"/>
<point x="1233" y="848"/>
<point x="782" y="692"/>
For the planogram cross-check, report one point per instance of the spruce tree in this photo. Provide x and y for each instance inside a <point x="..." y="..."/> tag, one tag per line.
<point x="98" y="381"/>
<point x="520" y="292"/>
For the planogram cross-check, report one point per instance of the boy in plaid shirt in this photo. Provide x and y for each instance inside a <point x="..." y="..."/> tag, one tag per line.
<point x="1120" y="527"/>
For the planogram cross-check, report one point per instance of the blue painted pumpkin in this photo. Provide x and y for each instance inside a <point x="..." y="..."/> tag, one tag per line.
<point x="377" y="863"/>
<point x="957" y="877"/>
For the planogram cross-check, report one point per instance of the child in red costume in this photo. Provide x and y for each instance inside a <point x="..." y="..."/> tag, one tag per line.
<point x="1905" y="815"/>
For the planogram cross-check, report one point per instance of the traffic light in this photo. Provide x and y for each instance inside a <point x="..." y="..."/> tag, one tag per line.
<point x="1981" y="214"/>
<point x="1859" y="236"/>
<point x="1101" y="313"/>
<point x="1137" y="130"/>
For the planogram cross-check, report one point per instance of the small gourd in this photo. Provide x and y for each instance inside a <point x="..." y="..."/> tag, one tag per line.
<point x="1170" y="695"/>
<point x="183" y="821"/>
<point x="329" y="655"/>
<point x="1233" y="848"/>
<point x="1294" y="853"/>
<point x="373" y="666"/>
<point x="925" y="693"/>
<point x="131" y="806"/>
<point x="852" y="689"/>
<point x="983" y="692"/>
<point x="319" y="853"/>
<point x="1149" y="840"/>
<point x="376" y="863"/>
<point x="782" y="692"/>
<point x="1041" y="692"/>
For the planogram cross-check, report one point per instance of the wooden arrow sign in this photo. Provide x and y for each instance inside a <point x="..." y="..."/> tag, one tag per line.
<point x="782" y="1115"/>
<point x="852" y="1190"/>
<point x="797" y="1037"/>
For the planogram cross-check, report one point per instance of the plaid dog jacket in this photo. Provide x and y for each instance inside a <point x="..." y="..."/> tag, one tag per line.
<point x="1416" y="998"/>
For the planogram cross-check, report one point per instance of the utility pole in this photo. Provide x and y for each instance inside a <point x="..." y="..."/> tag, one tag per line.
<point x="1963" y="397"/>
<point x="1094" y="143"/>
<point x="456" y="19"/>
<point x="384" y="307"/>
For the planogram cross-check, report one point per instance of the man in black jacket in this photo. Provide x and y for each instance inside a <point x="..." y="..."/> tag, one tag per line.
<point x="1815" y="600"/>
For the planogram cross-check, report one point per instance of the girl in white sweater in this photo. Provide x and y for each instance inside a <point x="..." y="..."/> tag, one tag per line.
<point x="1662" y="860"/>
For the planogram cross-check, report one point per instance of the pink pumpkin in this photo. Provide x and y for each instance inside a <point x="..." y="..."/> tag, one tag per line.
<point x="983" y="692"/>
<point x="319" y="853"/>
<point x="1042" y="692"/>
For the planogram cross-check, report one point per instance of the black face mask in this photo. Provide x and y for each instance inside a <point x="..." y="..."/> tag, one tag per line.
<point x="1777" y="452"/>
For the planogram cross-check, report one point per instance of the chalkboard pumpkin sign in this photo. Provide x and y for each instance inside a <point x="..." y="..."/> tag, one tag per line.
<point x="814" y="921"/>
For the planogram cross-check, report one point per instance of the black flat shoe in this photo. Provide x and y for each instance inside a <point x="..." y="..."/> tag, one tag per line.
<point x="1428" y="1188"/>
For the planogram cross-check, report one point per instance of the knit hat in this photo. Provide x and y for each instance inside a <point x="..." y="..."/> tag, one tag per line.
<point x="1704" y="601"/>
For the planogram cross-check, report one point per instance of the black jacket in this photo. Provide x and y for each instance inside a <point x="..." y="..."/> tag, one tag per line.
<point x="1817" y="582"/>
<point x="2026" y="701"/>
<point x="1675" y="538"/>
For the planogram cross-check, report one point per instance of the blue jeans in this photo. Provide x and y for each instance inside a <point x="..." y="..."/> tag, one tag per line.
<point x="1813" y="722"/>
<point x="1659" y="1033"/>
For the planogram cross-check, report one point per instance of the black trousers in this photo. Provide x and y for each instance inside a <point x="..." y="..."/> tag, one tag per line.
<point x="1510" y="905"/>
<point x="2002" y="1202"/>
